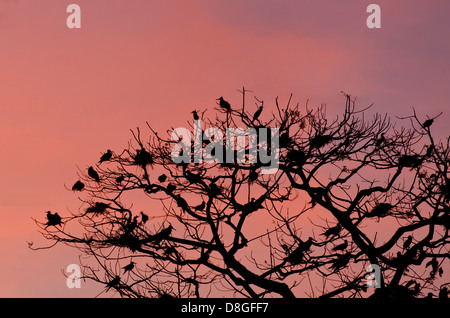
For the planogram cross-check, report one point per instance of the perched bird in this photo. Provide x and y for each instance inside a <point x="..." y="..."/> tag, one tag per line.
<point x="434" y="264"/>
<point x="380" y="140"/>
<point x="200" y="207"/>
<point x="162" y="178"/>
<point x="340" y="262"/>
<point x="341" y="246"/>
<point x="144" y="217"/>
<point x="129" y="267"/>
<point x="410" y="161"/>
<point x="78" y="186"/>
<point x="93" y="174"/>
<point x="119" y="179"/>
<point x="106" y="156"/>
<point x="257" y="113"/>
<point x="429" y="151"/>
<point x="252" y="176"/>
<point x="170" y="188"/>
<point x="98" y="207"/>
<point x="296" y="157"/>
<point x="296" y="256"/>
<point x="333" y="231"/>
<point x="162" y="235"/>
<point x="407" y="242"/>
<point x="320" y="140"/>
<point x="53" y="219"/>
<point x="443" y="293"/>
<point x="224" y="104"/>
<point x="284" y="140"/>
<point x="132" y="225"/>
<point x="428" y="123"/>
<point x="114" y="283"/>
<point x="143" y="158"/>
<point x="380" y="210"/>
<point x="194" y="113"/>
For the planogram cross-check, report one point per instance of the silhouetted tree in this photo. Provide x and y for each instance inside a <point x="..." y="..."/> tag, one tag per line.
<point x="349" y="192"/>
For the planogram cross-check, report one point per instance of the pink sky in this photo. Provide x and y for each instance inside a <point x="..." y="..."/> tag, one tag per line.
<point x="68" y="95"/>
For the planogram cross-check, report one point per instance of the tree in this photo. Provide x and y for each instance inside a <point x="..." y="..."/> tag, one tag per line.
<point x="348" y="192"/>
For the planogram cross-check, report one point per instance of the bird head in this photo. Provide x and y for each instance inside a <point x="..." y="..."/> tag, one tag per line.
<point x="220" y="98"/>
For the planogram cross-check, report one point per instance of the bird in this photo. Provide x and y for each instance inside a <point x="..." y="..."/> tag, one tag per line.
<point x="132" y="225"/>
<point x="162" y="178"/>
<point x="119" y="179"/>
<point x="407" y="242"/>
<point x="194" y="113"/>
<point x="224" y="104"/>
<point x="380" y="140"/>
<point x="296" y="156"/>
<point x="410" y="161"/>
<point x="144" y="217"/>
<point x="340" y="262"/>
<point x="341" y="246"/>
<point x="429" y="151"/>
<point x="98" y="207"/>
<point x="113" y="283"/>
<point x="257" y="113"/>
<point x="380" y="210"/>
<point x="320" y="140"/>
<point x="428" y="123"/>
<point x="128" y="267"/>
<point x="200" y="207"/>
<point x="434" y="264"/>
<point x="53" y="219"/>
<point x="443" y="293"/>
<point x="284" y="140"/>
<point x="252" y="176"/>
<point x="296" y="256"/>
<point x="162" y="235"/>
<point x="78" y="186"/>
<point x="93" y="174"/>
<point x="170" y="188"/>
<point x="333" y="231"/>
<point x="106" y="156"/>
<point x="143" y="158"/>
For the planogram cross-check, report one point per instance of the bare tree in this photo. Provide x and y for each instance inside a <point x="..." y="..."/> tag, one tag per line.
<point x="348" y="192"/>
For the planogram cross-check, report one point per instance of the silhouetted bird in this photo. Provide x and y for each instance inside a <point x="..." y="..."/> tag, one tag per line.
<point x="257" y="113"/>
<point x="296" y="157"/>
<point x="200" y="207"/>
<point x="144" y="217"/>
<point x="296" y="256"/>
<point x="252" y="176"/>
<point x="162" y="235"/>
<point x="214" y="190"/>
<point x="162" y="178"/>
<point x="143" y="158"/>
<point x="114" y="283"/>
<point x="380" y="210"/>
<point x="428" y="123"/>
<point x="98" y="207"/>
<point x="193" y="177"/>
<point x="78" y="186"/>
<point x="407" y="242"/>
<point x="340" y="262"/>
<point x="53" y="219"/>
<point x="93" y="174"/>
<point x="434" y="264"/>
<point x="224" y="104"/>
<point x="341" y="246"/>
<point x="194" y="113"/>
<point x="320" y="140"/>
<point x="380" y="140"/>
<point x="441" y="271"/>
<point x="132" y="225"/>
<point x="128" y="267"/>
<point x="170" y="188"/>
<point x="284" y="140"/>
<point x="333" y="231"/>
<point x="182" y="203"/>
<point x="119" y="179"/>
<point x="410" y="161"/>
<point x="106" y="156"/>
<point x="443" y="293"/>
<point x="429" y="151"/>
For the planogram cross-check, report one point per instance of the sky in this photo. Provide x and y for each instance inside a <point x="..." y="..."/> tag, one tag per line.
<point x="67" y="95"/>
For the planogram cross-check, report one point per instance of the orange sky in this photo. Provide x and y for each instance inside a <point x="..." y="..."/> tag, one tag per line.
<point x="68" y="95"/>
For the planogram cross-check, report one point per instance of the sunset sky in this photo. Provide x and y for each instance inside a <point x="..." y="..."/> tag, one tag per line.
<point x="67" y="95"/>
